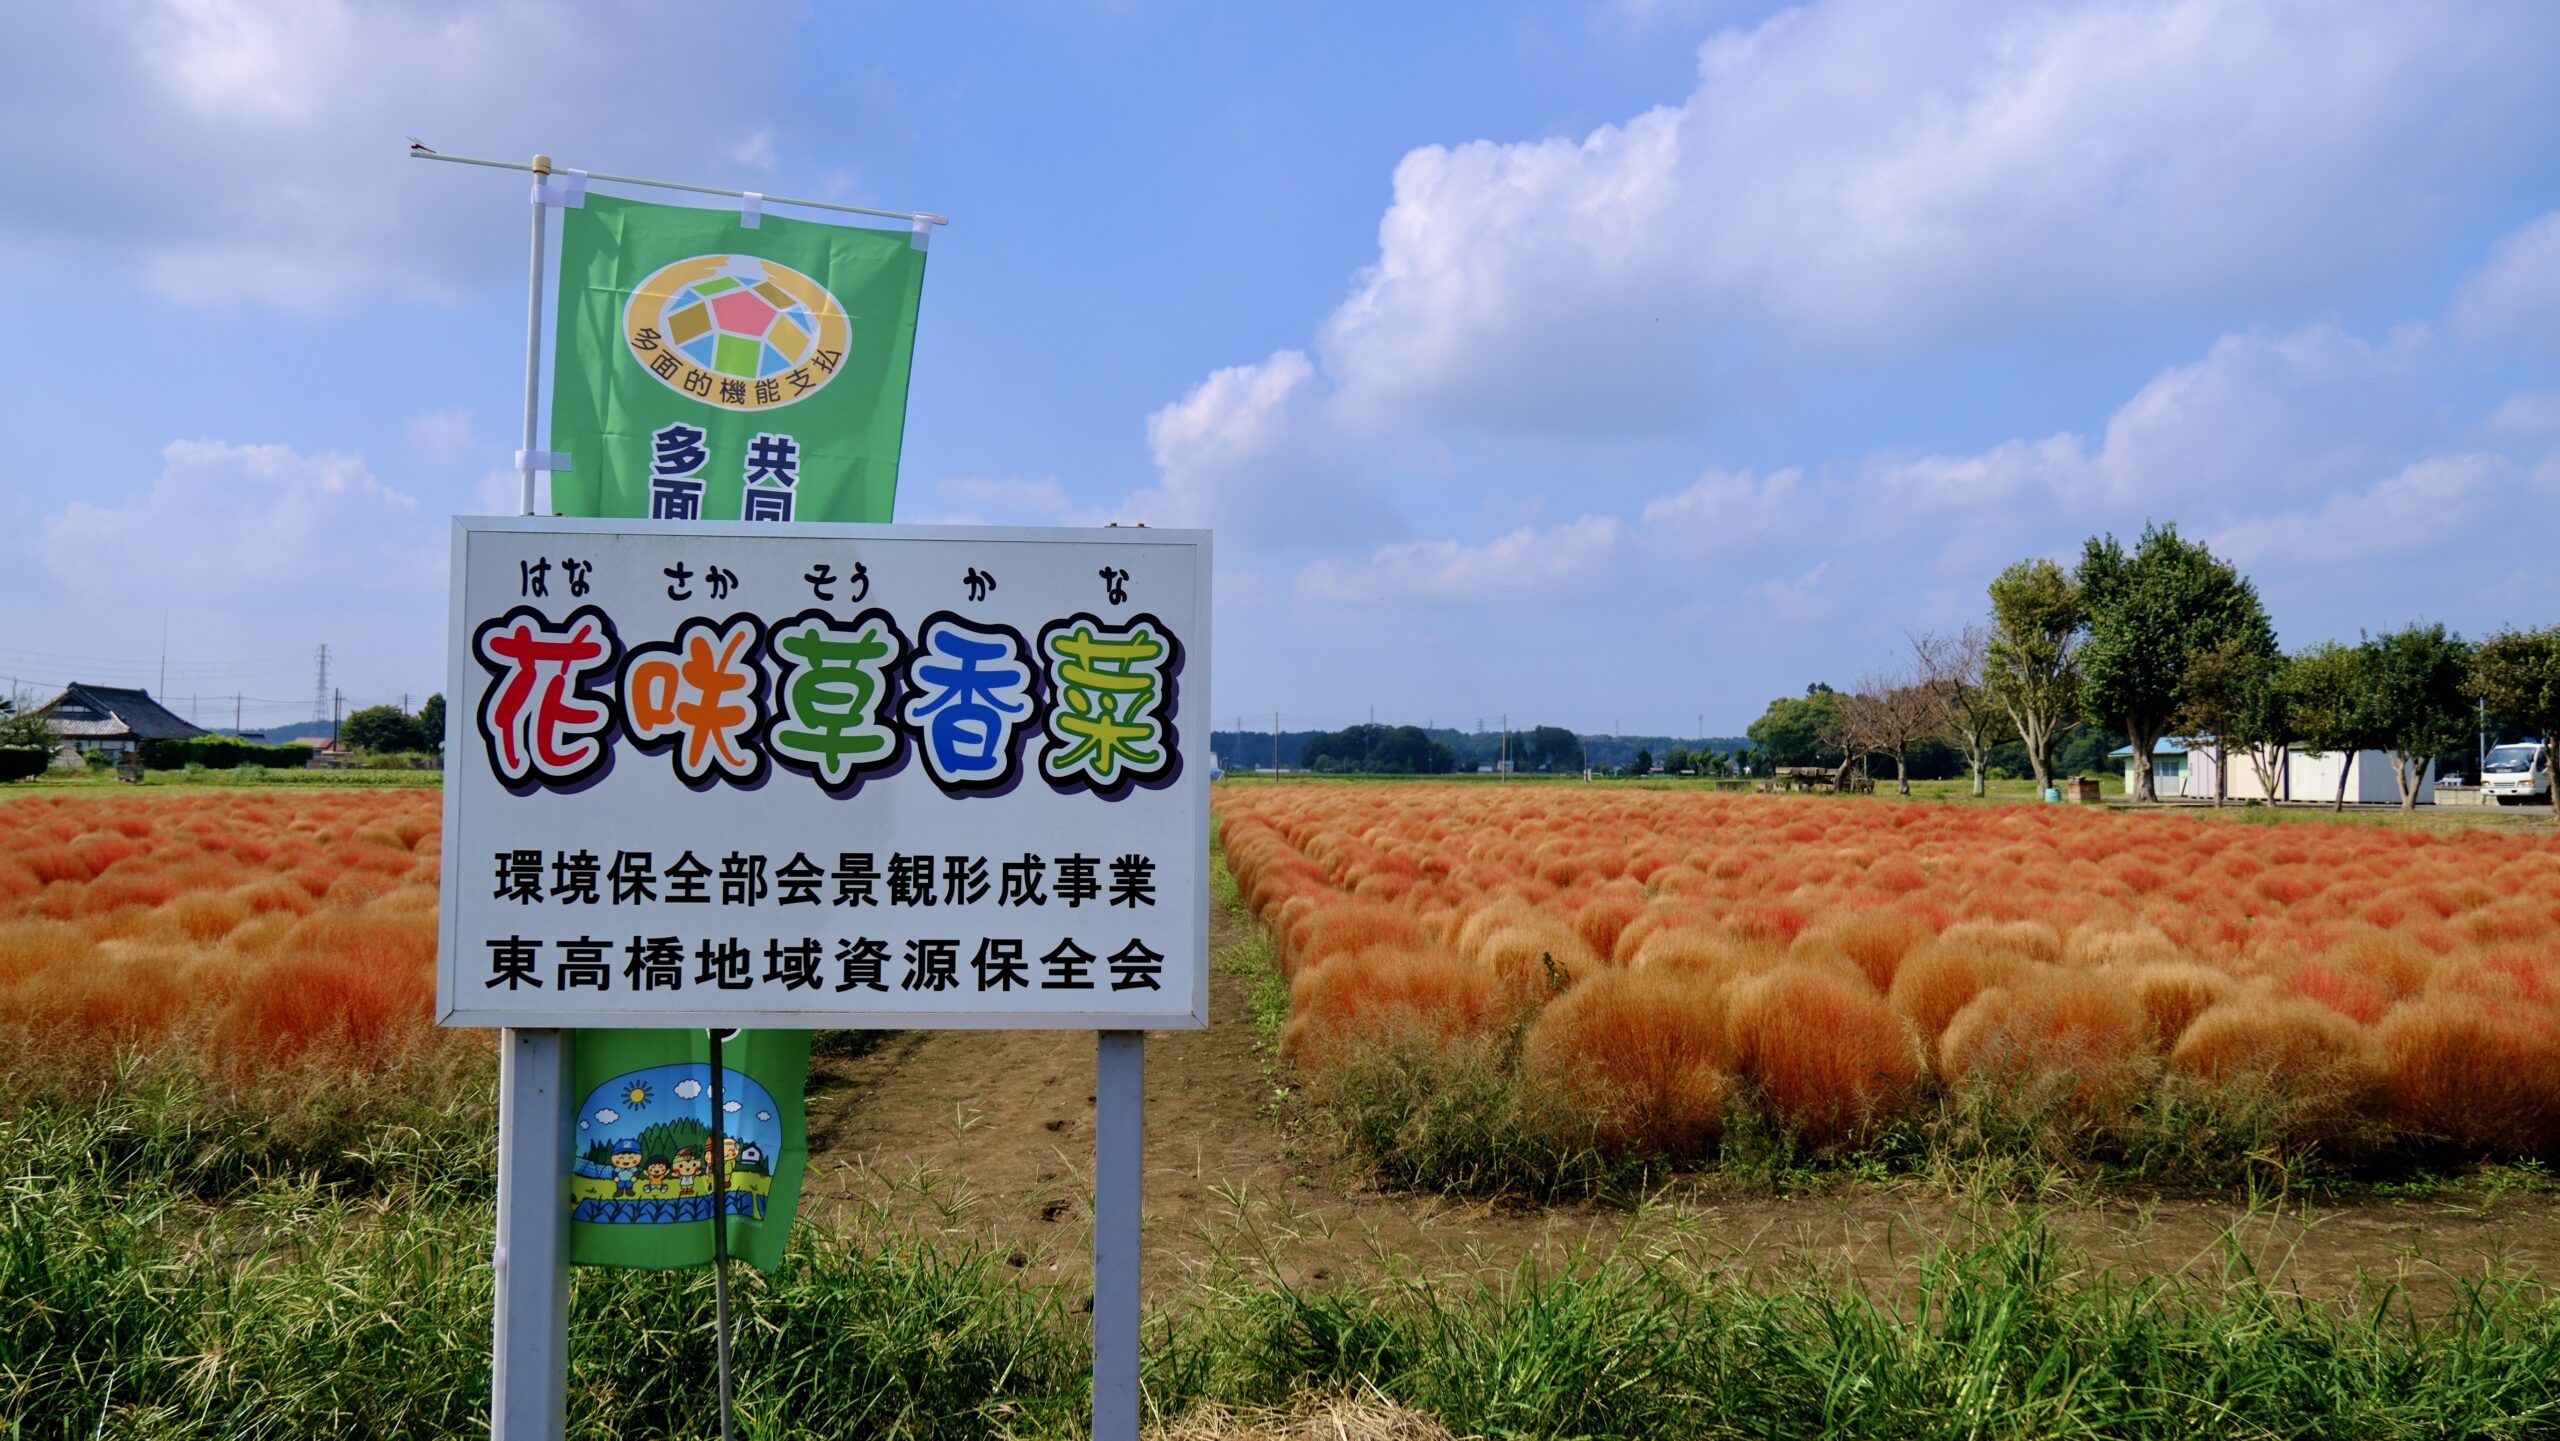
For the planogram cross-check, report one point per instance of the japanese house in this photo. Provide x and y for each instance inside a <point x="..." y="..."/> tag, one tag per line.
<point x="111" y="720"/>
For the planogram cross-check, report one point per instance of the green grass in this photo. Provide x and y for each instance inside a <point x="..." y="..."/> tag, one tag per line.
<point x="303" y="1308"/>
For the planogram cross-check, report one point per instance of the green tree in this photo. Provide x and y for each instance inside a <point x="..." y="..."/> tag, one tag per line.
<point x="20" y="725"/>
<point x="2258" y="718"/>
<point x="26" y="746"/>
<point x="382" y="728"/>
<point x="1678" y="762"/>
<point x="1959" y="701"/>
<point x="2151" y="610"/>
<point x="431" y="722"/>
<point x="2030" y="662"/>
<point x="1798" y="730"/>
<point x="1552" y="748"/>
<point x="2324" y="689"/>
<point x="2219" y="690"/>
<point x="2418" y="688"/>
<point x="2516" y="673"/>
<point x="1643" y="765"/>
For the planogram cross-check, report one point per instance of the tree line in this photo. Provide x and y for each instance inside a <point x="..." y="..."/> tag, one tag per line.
<point x="1418" y="750"/>
<point x="2166" y="638"/>
<point x="389" y="730"/>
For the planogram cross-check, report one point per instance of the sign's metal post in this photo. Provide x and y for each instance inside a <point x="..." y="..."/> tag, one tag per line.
<point x="529" y="1359"/>
<point x="1119" y="1153"/>
<point x="529" y="1341"/>
<point x="720" y="1229"/>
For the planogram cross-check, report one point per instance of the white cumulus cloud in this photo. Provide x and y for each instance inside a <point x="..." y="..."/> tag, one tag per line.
<point x="1529" y="565"/>
<point x="2516" y="294"/>
<point x="231" y="151"/>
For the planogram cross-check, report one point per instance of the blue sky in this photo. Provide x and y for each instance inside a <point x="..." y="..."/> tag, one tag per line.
<point x="1604" y="366"/>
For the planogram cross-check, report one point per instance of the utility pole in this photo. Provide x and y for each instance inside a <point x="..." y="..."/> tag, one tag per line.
<point x="1503" y="765"/>
<point x="1275" y="742"/>
<point x="335" y="699"/>
<point x="235" y="723"/>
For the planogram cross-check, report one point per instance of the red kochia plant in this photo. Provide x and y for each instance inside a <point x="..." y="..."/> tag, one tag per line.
<point x="2480" y="1075"/>
<point x="1640" y="1052"/>
<point x="1382" y="991"/>
<point x="1822" y="1051"/>
<point x="2053" y="1037"/>
<point x="2322" y="1070"/>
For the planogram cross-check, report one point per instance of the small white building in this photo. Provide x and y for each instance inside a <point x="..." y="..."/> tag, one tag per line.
<point x="2184" y="767"/>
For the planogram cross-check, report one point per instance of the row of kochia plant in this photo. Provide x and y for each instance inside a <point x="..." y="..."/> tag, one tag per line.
<point x="1657" y="964"/>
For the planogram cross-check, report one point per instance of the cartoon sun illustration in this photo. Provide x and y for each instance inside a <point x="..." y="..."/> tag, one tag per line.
<point x="636" y="1095"/>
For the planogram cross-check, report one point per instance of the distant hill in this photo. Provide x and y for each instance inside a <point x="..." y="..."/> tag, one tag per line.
<point x="314" y="731"/>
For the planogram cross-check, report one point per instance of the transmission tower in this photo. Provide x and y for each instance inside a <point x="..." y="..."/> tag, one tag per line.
<point x="320" y="689"/>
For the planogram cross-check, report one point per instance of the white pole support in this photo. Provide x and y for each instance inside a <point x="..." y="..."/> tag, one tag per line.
<point x="529" y="1343"/>
<point x="529" y="1351"/>
<point x="526" y="458"/>
<point x="1119" y="1152"/>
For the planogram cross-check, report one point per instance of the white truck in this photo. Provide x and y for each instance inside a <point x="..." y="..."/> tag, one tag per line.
<point x="2514" y="775"/>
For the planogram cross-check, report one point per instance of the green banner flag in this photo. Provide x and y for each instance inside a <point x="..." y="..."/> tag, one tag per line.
<point x="640" y="1186"/>
<point x="705" y="370"/>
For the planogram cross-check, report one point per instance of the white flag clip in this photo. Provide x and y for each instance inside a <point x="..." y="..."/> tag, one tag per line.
<point x="542" y="460"/>
<point x="751" y="210"/>
<point x="917" y="238"/>
<point x="565" y="188"/>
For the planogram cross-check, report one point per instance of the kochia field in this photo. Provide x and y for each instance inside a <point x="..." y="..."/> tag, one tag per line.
<point x="1666" y="960"/>
<point x="239" y="926"/>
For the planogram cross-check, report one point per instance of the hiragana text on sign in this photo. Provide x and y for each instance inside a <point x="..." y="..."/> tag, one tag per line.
<point x="727" y="772"/>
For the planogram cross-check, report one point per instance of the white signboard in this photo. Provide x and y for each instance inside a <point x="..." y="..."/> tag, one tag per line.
<point x="825" y="776"/>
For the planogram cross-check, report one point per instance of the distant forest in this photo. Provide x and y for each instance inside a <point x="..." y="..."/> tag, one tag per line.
<point x="1415" y="750"/>
<point x="1787" y="735"/>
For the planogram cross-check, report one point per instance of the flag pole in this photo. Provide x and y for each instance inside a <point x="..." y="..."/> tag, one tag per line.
<point x="529" y="1330"/>
<point x="542" y="166"/>
<point x="720" y="1225"/>
<point x="525" y="458"/>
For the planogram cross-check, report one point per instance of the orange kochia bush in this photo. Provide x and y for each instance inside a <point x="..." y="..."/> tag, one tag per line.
<point x="1665" y="954"/>
<point x="249" y="925"/>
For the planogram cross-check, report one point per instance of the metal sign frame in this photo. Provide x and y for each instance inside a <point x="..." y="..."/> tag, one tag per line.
<point x="1181" y="557"/>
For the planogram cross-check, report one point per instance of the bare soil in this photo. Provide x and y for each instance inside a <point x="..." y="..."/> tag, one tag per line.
<point x="986" y="1139"/>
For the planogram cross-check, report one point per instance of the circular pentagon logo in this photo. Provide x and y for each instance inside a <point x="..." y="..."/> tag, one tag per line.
<point x="735" y="331"/>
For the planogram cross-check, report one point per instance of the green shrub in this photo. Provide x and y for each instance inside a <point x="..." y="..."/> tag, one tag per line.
<point x="221" y="753"/>
<point x="17" y="763"/>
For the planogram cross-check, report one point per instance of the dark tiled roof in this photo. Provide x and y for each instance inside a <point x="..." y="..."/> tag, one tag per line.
<point x="135" y="712"/>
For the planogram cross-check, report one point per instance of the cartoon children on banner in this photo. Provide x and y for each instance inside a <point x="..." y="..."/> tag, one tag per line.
<point x="643" y="1149"/>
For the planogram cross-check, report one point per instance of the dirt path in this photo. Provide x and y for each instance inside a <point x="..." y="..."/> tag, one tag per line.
<point x="987" y="1138"/>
